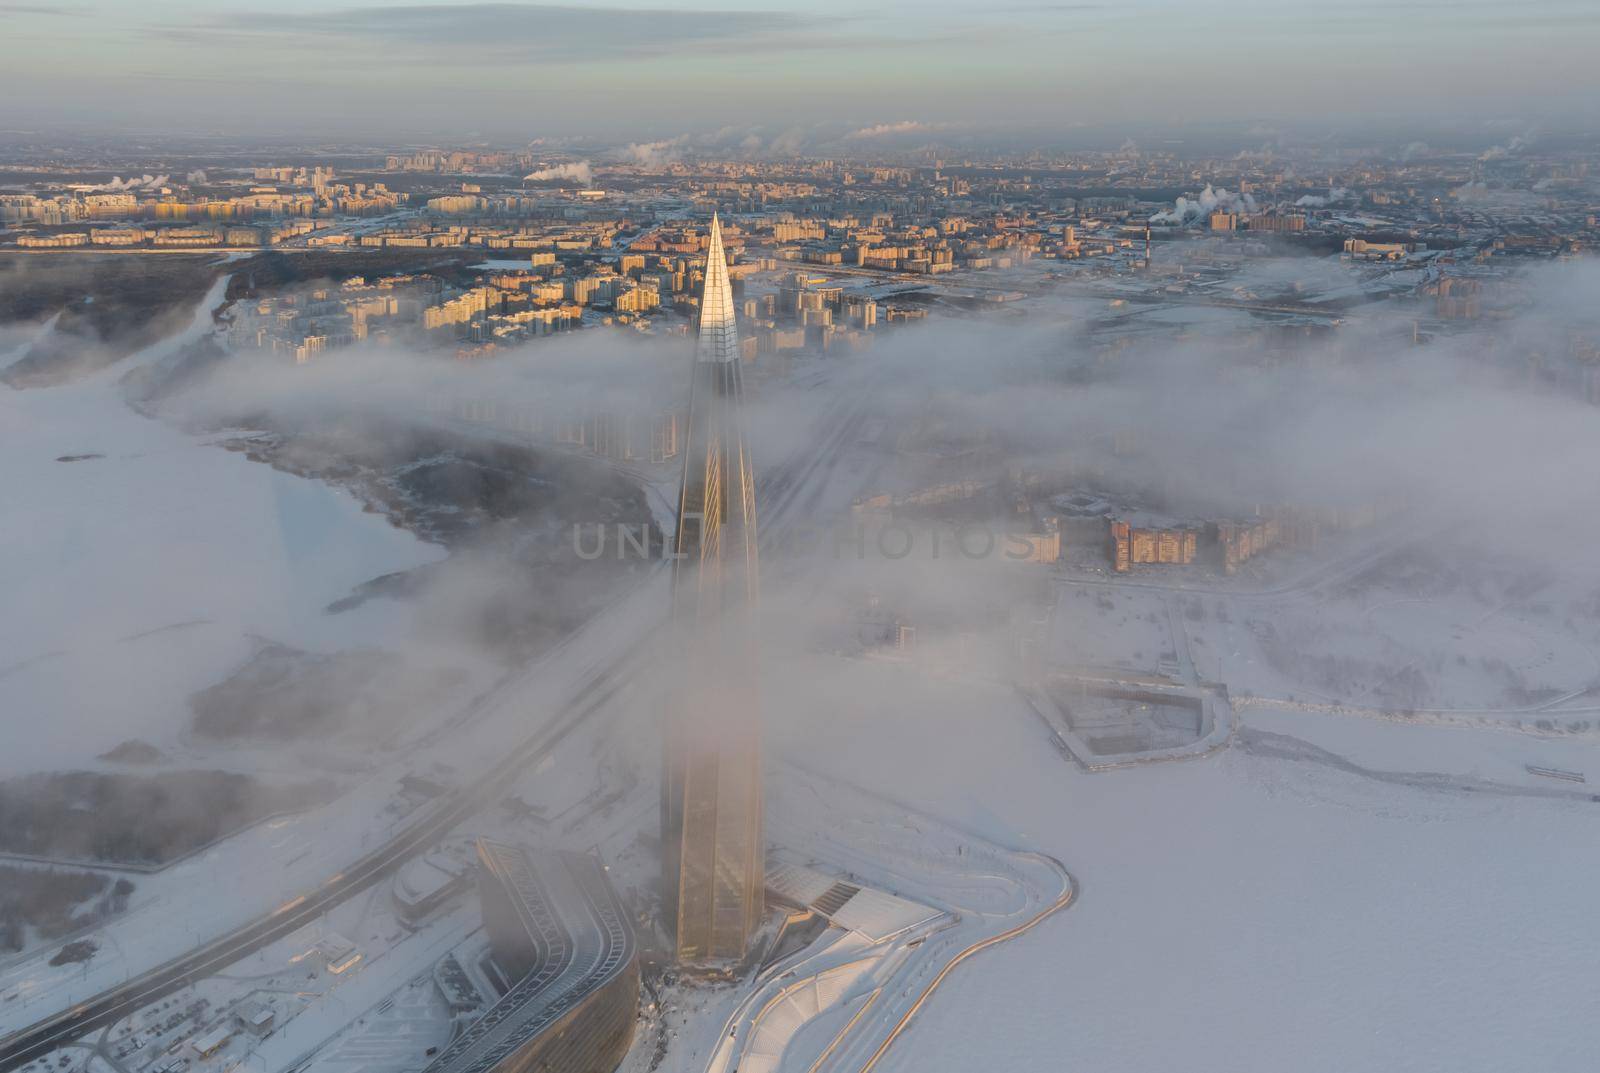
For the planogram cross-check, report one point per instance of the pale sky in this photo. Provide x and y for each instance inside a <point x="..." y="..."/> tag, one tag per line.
<point x="659" y="69"/>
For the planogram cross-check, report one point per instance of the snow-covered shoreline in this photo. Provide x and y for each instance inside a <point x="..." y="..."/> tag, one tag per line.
<point x="108" y="556"/>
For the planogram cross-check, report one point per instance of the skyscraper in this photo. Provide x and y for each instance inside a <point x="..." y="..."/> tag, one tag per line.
<point x="711" y="795"/>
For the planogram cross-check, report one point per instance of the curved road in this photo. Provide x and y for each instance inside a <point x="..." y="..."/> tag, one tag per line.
<point x="23" y="1045"/>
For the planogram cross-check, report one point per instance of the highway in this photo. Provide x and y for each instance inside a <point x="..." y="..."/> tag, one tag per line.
<point x="110" y="1006"/>
<point x="975" y="894"/>
<point x="1065" y="898"/>
<point x="780" y="492"/>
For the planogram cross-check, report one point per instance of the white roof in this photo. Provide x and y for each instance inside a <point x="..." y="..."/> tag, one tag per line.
<point x="875" y="915"/>
<point x="213" y="1039"/>
<point x="798" y="884"/>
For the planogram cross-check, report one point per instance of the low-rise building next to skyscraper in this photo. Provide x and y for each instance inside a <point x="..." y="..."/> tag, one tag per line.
<point x="561" y="936"/>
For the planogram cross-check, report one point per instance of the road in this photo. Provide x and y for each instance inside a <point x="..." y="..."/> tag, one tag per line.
<point x="784" y="486"/>
<point x="978" y="893"/>
<point x="110" y="1006"/>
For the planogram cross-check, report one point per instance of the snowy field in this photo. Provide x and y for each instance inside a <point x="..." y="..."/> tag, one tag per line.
<point x="150" y="566"/>
<point x="1479" y="638"/>
<point x="1244" y="912"/>
<point x="1390" y="645"/>
<point x="1241" y="913"/>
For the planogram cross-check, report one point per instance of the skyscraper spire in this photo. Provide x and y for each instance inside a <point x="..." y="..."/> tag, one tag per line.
<point x="719" y="336"/>
<point x="712" y="850"/>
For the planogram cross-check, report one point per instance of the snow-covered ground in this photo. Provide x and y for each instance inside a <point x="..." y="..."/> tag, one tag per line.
<point x="250" y="874"/>
<point x="1477" y="638"/>
<point x="311" y="1004"/>
<point x="273" y="863"/>
<point x="1240" y="913"/>
<point x="147" y="567"/>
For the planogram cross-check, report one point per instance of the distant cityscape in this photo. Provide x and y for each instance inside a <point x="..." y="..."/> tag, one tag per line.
<point x="825" y="253"/>
<point x="704" y="605"/>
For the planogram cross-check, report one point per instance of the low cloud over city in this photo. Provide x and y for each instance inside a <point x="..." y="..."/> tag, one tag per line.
<point x="691" y="537"/>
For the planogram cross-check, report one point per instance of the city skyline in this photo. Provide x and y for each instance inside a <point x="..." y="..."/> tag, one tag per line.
<point x="1170" y="425"/>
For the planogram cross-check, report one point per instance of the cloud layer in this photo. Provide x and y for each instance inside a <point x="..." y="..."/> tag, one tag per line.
<point x="546" y="32"/>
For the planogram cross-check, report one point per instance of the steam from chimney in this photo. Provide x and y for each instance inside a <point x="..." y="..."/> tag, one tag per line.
<point x="1211" y="200"/>
<point x="578" y="172"/>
